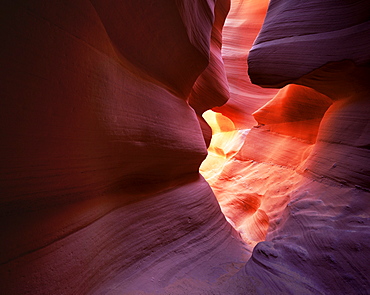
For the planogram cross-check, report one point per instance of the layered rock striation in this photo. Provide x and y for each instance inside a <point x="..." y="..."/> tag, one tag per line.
<point x="241" y="28"/>
<point x="102" y="139"/>
<point x="100" y="190"/>
<point x="297" y="189"/>
<point x="306" y="36"/>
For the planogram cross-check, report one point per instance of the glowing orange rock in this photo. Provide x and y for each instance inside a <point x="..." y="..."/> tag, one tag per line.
<point x="315" y="245"/>
<point x="301" y="180"/>
<point x="241" y="28"/>
<point x="300" y="204"/>
<point x="226" y="142"/>
<point x="295" y="111"/>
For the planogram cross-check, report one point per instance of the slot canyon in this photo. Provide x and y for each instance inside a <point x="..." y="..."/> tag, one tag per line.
<point x="185" y="147"/>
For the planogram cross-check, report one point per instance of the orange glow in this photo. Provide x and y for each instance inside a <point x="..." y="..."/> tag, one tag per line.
<point x="239" y="183"/>
<point x="251" y="193"/>
<point x="226" y="142"/>
<point x="252" y="180"/>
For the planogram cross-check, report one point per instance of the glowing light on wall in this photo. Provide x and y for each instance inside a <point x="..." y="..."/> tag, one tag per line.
<point x="226" y="142"/>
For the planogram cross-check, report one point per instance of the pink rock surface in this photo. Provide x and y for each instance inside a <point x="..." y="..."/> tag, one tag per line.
<point x="183" y="38"/>
<point x="301" y="180"/>
<point x="241" y="28"/>
<point x="342" y="149"/>
<point x="100" y="190"/>
<point x="100" y="150"/>
<point x="300" y="204"/>
<point x="297" y="38"/>
<point x="211" y="88"/>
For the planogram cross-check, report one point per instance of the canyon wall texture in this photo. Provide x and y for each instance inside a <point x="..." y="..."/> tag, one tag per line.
<point x="241" y="28"/>
<point x="100" y="190"/>
<point x="102" y="137"/>
<point x="297" y="190"/>
<point x="306" y="36"/>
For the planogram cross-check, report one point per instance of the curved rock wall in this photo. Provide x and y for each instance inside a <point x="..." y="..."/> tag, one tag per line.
<point x="323" y="31"/>
<point x="241" y="28"/>
<point x="297" y="189"/>
<point x="100" y="149"/>
<point x="100" y="191"/>
<point x="211" y="88"/>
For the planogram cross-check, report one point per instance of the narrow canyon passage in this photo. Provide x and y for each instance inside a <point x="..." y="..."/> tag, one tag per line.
<point x="185" y="147"/>
<point x="289" y="179"/>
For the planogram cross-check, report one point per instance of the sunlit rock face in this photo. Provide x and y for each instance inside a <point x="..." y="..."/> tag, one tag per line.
<point x="241" y="28"/>
<point x="102" y="139"/>
<point x="297" y="190"/>
<point x="254" y="185"/>
<point x="100" y="150"/>
<point x="295" y="111"/>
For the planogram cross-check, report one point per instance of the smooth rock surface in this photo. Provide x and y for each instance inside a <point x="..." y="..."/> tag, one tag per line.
<point x="100" y="150"/>
<point x="298" y="37"/>
<point x="211" y="88"/>
<point x="302" y="205"/>
<point x="102" y="140"/>
<point x="297" y="190"/>
<point x="241" y="28"/>
<point x="295" y="111"/>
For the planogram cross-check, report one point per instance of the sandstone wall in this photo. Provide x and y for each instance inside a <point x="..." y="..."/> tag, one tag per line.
<point x="102" y="139"/>
<point x="100" y="191"/>
<point x="300" y="182"/>
<point x="241" y="28"/>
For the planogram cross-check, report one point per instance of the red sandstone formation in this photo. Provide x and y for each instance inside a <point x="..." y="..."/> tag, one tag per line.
<point x="305" y="36"/>
<point x="211" y="88"/>
<point x="241" y="28"/>
<point x="100" y="150"/>
<point x="295" y="111"/>
<point x="301" y="180"/>
<point x="100" y="191"/>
